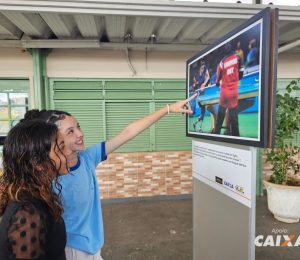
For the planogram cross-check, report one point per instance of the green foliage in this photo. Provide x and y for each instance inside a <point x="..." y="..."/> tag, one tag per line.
<point x="282" y="156"/>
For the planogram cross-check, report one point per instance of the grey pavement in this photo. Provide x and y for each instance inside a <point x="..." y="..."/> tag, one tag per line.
<point x="160" y="228"/>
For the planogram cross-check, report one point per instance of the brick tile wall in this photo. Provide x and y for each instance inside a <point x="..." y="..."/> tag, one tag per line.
<point x="125" y="175"/>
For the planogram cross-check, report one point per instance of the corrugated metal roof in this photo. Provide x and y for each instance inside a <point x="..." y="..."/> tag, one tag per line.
<point x="166" y="25"/>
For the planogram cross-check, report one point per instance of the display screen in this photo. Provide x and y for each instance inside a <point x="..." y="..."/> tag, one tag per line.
<point x="230" y="78"/>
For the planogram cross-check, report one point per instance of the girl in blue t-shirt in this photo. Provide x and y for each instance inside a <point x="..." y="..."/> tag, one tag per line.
<point x="80" y="194"/>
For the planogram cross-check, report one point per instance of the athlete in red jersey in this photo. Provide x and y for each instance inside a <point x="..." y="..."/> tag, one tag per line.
<point x="228" y="73"/>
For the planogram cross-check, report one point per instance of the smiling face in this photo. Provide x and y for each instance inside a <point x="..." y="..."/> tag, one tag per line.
<point x="72" y="135"/>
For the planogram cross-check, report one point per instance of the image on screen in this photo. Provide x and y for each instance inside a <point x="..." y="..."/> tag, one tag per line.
<point x="227" y="80"/>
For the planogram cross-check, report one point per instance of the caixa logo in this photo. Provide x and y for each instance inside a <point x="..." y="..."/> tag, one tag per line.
<point x="226" y="183"/>
<point x="277" y="241"/>
<point x="239" y="189"/>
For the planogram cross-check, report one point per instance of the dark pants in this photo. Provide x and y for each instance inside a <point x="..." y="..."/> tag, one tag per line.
<point x="233" y="120"/>
<point x="202" y="111"/>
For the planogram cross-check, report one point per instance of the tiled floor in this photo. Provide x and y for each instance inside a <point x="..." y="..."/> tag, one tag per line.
<point x="162" y="230"/>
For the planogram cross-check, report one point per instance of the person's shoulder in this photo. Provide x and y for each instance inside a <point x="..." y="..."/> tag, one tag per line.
<point x="29" y="206"/>
<point x="237" y="56"/>
<point x="32" y="209"/>
<point x="96" y="153"/>
<point x="92" y="149"/>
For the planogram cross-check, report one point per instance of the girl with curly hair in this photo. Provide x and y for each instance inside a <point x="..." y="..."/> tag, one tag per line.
<point x="31" y="226"/>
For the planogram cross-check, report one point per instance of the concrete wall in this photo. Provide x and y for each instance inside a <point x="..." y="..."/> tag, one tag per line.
<point x="15" y="63"/>
<point x="113" y="64"/>
<point x="288" y="65"/>
<point x="100" y="64"/>
<point x="97" y="63"/>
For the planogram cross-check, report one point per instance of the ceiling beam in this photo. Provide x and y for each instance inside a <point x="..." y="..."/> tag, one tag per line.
<point x="30" y="23"/>
<point x="143" y="28"/>
<point x="188" y="31"/>
<point x="9" y="29"/>
<point x="89" y="25"/>
<point x="227" y="28"/>
<point x="290" y="32"/>
<point x="171" y="28"/>
<point x="95" y="44"/>
<point x="217" y="31"/>
<point x="289" y="46"/>
<point x="205" y="25"/>
<point x="115" y="27"/>
<point x="63" y="26"/>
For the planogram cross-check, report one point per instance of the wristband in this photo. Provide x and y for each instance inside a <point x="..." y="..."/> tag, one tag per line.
<point x="168" y="106"/>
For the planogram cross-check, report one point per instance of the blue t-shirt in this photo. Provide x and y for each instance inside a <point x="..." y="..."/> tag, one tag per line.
<point x="201" y="78"/>
<point x="251" y="57"/>
<point x="81" y="202"/>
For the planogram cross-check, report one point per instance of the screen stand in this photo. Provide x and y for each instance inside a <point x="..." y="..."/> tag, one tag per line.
<point x="223" y="228"/>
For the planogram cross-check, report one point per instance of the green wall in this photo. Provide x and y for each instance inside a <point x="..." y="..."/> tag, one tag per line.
<point x="106" y="106"/>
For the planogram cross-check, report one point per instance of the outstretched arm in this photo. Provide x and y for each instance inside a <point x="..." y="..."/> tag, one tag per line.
<point x="241" y="69"/>
<point x="207" y="77"/>
<point x="135" y="128"/>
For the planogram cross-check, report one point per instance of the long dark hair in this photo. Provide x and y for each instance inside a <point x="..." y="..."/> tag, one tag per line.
<point x="49" y="116"/>
<point x="27" y="165"/>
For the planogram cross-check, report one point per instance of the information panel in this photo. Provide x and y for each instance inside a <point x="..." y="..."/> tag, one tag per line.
<point x="227" y="169"/>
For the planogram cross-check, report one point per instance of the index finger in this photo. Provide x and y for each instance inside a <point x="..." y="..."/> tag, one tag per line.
<point x="190" y="98"/>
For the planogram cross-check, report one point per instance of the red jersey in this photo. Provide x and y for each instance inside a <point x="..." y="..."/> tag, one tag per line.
<point x="228" y="72"/>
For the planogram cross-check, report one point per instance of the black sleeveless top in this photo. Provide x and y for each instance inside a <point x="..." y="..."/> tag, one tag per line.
<point x="28" y="231"/>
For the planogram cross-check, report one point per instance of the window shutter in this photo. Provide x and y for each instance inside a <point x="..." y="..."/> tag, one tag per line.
<point x="105" y="107"/>
<point x="119" y="115"/>
<point x="128" y="90"/>
<point x="126" y="101"/>
<point x="170" y="132"/>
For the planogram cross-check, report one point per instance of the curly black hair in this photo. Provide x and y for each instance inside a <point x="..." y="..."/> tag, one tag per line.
<point x="27" y="166"/>
<point x="50" y="116"/>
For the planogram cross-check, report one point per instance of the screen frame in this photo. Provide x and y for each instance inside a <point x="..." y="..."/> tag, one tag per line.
<point x="265" y="113"/>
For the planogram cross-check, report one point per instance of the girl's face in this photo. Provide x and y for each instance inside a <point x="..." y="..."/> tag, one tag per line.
<point x="72" y="134"/>
<point x="57" y="154"/>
